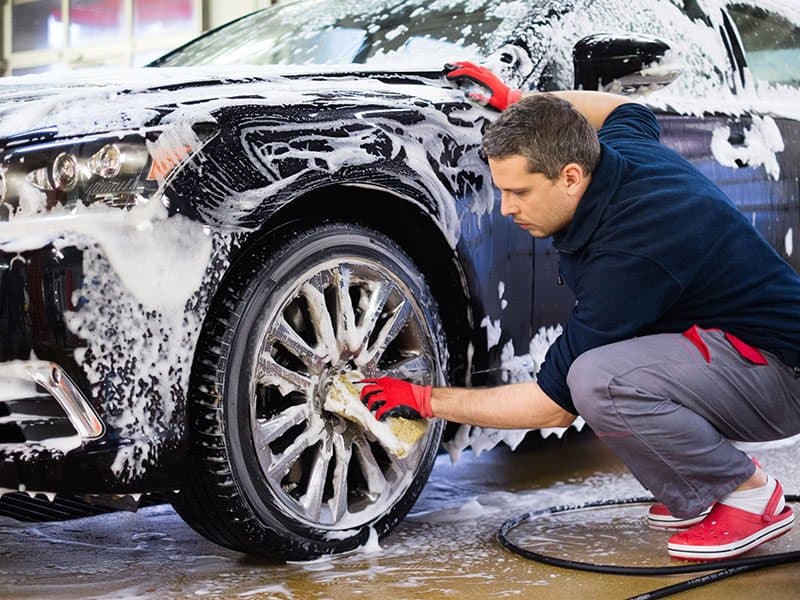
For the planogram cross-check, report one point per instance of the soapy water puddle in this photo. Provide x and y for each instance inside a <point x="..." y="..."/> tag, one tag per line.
<point x="446" y="547"/>
<point x="612" y="535"/>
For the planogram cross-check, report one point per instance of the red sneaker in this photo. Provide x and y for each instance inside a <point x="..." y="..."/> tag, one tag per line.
<point x="659" y="517"/>
<point x="729" y="531"/>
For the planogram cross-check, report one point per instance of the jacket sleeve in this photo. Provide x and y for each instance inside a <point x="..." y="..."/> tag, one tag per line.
<point x="630" y="121"/>
<point x="618" y="296"/>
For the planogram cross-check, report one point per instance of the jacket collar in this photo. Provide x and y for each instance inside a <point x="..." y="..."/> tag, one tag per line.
<point x="604" y="184"/>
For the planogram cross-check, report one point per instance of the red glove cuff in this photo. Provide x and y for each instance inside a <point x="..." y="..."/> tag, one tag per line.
<point x="422" y="394"/>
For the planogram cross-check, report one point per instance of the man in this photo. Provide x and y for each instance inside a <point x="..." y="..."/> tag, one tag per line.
<point x="686" y="330"/>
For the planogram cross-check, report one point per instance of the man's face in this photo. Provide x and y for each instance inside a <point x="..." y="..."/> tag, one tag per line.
<point x="537" y="204"/>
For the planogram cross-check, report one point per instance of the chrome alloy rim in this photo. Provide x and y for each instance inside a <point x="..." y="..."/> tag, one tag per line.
<point x="342" y="315"/>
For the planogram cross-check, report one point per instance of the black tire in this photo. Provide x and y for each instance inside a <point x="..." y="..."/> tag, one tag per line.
<point x="252" y="378"/>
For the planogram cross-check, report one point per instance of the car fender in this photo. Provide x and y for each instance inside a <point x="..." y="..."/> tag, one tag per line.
<point x="265" y="156"/>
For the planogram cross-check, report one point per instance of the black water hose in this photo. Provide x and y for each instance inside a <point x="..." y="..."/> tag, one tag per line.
<point x="721" y="568"/>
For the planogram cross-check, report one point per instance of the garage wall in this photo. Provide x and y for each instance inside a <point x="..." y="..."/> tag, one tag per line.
<point x="219" y="12"/>
<point x="2" y="41"/>
<point x="49" y="35"/>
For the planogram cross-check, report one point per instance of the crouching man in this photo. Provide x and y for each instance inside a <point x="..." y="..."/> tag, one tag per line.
<point x="686" y="330"/>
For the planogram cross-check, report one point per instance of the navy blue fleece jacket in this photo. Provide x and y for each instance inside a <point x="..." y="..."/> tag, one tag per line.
<point x="656" y="247"/>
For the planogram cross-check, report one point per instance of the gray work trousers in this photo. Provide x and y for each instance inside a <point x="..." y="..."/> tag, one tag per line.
<point x="670" y="415"/>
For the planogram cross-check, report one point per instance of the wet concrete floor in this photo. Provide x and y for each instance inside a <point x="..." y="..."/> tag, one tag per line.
<point x="446" y="548"/>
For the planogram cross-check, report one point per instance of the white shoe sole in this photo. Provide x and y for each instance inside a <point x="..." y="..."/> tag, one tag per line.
<point x="734" y="548"/>
<point x="670" y="522"/>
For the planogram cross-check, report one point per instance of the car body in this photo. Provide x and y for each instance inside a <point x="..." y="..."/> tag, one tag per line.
<point x="192" y="252"/>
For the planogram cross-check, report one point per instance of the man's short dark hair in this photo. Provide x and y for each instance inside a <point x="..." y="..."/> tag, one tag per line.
<point x="546" y="130"/>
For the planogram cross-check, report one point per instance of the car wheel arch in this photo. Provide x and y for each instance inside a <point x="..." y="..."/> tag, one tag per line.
<point x="407" y="221"/>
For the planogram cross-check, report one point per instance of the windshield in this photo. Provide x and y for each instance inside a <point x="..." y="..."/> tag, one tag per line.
<point x="343" y="31"/>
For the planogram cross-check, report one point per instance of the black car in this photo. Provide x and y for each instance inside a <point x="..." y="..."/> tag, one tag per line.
<point x="191" y="253"/>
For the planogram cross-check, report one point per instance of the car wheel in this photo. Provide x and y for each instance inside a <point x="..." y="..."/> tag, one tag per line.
<point x="271" y="471"/>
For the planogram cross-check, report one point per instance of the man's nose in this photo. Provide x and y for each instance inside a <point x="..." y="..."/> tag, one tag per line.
<point x="506" y="206"/>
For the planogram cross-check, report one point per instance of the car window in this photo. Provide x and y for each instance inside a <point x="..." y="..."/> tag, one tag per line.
<point x="372" y="31"/>
<point x="771" y="42"/>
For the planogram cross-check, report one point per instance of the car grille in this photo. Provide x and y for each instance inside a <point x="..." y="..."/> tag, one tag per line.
<point x="35" y="418"/>
<point x="41" y="407"/>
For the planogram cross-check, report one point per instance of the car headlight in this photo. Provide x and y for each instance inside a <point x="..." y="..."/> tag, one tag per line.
<point x="120" y="171"/>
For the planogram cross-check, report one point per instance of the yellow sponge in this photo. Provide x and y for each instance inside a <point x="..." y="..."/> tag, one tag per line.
<point x="396" y="434"/>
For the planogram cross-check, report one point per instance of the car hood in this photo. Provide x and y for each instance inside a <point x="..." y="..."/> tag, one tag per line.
<point x="99" y="100"/>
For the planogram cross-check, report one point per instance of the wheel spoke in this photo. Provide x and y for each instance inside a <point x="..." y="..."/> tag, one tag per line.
<point x="271" y="373"/>
<point x="345" y="315"/>
<point x="279" y="467"/>
<point x="398" y="468"/>
<point x="291" y="340"/>
<point x="393" y="326"/>
<point x="338" y="502"/>
<point x="370" y="468"/>
<point x="312" y="500"/>
<point x="321" y="320"/>
<point x="268" y="431"/>
<point x="377" y="301"/>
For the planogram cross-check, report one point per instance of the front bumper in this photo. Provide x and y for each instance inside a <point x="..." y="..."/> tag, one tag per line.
<point x="20" y="379"/>
<point x="43" y="393"/>
<point x="54" y="435"/>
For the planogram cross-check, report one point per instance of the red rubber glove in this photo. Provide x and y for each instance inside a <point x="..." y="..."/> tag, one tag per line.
<point x="493" y="92"/>
<point x="389" y="397"/>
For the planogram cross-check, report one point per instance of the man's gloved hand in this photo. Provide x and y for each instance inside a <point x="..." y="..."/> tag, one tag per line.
<point x="389" y="397"/>
<point x="493" y="91"/>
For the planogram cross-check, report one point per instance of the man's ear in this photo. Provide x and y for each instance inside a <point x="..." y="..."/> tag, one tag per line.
<point x="572" y="175"/>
